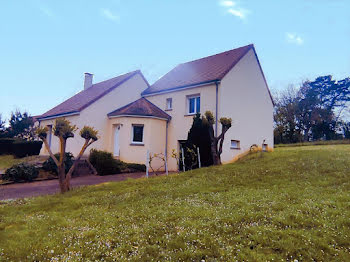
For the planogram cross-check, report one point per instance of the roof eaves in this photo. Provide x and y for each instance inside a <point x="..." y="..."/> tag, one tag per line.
<point x="141" y="116"/>
<point x="59" y="115"/>
<point x="145" y="94"/>
<point x="262" y="72"/>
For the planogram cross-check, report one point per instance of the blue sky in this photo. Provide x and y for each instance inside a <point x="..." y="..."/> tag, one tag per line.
<point x="46" y="46"/>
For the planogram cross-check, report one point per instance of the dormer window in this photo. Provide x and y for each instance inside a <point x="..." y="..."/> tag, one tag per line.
<point x="194" y="104"/>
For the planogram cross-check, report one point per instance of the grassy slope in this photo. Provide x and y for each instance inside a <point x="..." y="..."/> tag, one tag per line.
<point x="290" y="204"/>
<point x="7" y="161"/>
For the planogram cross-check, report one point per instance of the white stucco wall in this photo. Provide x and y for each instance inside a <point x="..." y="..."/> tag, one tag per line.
<point x="181" y="122"/>
<point x="243" y="96"/>
<point x="95" y="115"/>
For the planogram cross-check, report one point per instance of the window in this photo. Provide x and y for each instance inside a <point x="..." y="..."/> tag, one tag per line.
<point x="235" y="144"/>
<point x="169" y="103"/>
<point x="137" y="134"/>
<point x="49" y="135"/>
<point x="194" y="104"/>
<point x="265" y="147"/>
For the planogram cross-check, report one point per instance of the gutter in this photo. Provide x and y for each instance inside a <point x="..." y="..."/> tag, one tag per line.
<point x="216" y="106"/>
<point x="58" y="115"/>
<point x="140" y="116"/>
<point x="166" y="147"/>
<point x="180" y="88"/>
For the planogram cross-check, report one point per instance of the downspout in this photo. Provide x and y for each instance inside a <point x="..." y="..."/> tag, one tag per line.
<point x="216" y="107"/>
<point x="166" y="147"/>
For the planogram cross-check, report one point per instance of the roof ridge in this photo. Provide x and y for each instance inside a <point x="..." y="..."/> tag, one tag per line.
<point x="131" y="72"/>
<point x="198" y="59"/>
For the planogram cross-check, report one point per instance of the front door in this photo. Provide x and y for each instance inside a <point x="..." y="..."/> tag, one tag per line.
<point x="116" y="141"/>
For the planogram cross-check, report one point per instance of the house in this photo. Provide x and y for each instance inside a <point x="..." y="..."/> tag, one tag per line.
<point x="133" y="117"/>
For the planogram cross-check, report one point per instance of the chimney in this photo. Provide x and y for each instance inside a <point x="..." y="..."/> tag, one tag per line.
<point x="88" y="80"/>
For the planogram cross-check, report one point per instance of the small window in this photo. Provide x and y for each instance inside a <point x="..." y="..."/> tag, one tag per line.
<point x="169" y="103"/>
<point x="194" y="104"/>
<point x="235" y="144"/>
<point x="49" y="135"/>
<point x="137" y="134"/>
<point x="265" y="147"/>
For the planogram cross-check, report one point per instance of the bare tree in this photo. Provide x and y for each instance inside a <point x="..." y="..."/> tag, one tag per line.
<point x="63" y="129"/>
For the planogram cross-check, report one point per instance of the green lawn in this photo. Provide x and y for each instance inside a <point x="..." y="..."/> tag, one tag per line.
<point x="7" y="161"/>
<point x="293" y="204"/>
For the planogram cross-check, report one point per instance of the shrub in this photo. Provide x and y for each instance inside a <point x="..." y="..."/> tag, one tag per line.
<point x="50" y="166"/>
<point x="6" y="145"/>
<point x="22" y="148"/>
<point x="104" y="163"/>
<point x="21" y="172"/>
<point x="133" y="167"/>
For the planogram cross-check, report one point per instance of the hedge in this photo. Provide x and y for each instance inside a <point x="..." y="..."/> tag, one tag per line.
<point x="19" y="148"/>
<point x="6" y="146"/>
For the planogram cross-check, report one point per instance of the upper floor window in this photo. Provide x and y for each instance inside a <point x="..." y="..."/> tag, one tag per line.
<point x="137" y="134"/>
<point x="169" y="103"/>
<point x="194" y="104"/>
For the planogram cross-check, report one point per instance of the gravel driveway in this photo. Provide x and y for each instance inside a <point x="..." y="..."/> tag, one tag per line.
<point x="23" y="190"/>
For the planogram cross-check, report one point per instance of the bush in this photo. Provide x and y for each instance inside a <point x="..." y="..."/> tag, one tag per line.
<point x="133" y="167"/>
<point x="21" y="172"/>
<point x="50" y="166"/>
<point x="104" y="163"/>
<point x="6" y="146"/>
<point x="22" y="148"/>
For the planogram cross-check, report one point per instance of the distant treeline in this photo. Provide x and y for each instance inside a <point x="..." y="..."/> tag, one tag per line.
<point x="312" y="112"/>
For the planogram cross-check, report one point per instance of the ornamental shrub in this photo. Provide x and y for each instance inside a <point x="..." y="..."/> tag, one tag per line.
<point x="133" y="167"/>
<point x="50" y="166"/>
<point x="104" y="163"/>
<point x="21" y="172"/>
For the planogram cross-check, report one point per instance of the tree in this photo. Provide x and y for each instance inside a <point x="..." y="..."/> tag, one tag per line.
<point x="2" y="124"/>
<point x="19" y="122"/>
<point x="216" y="141"/>
<point x="63" y="129"/>
<point x="312" y="111"/>
<point x="198" y="136"/>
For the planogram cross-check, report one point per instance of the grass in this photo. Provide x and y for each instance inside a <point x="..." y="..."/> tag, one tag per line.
<point x="293" y="204"/>
<point x="7" y="161"/>
<point x="316" y="143"/>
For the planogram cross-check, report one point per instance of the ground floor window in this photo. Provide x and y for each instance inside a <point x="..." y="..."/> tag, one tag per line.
<point x="137" y="134"/>
<point x="235" y="144"/>
<point x="265" y="147"/>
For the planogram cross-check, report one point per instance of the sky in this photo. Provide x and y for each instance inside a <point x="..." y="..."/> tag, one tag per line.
<point x="46" y="46"/>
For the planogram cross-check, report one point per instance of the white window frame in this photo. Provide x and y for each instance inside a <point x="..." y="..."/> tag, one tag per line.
<point x="169" y="104"/>
<point x="195" y="104"/>
<point x="132" y="134"/>
<point x="265" y="147"/>
<point x="238" y="144"/>
<point x="49" y="135"/>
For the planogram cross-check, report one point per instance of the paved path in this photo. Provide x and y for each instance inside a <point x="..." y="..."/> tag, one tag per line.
<point x="22" y="190"/>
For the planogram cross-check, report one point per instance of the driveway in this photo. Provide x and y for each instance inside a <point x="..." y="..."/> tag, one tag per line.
<point x="32" y="189"/>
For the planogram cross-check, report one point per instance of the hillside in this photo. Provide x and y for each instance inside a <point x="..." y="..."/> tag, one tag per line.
<point x="291" y="204"/>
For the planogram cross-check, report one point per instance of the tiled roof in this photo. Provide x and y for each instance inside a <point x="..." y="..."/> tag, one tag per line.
<point x="141" y="107"/>
<point x="199" y="71"/>
<point x="86" y="97"/>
